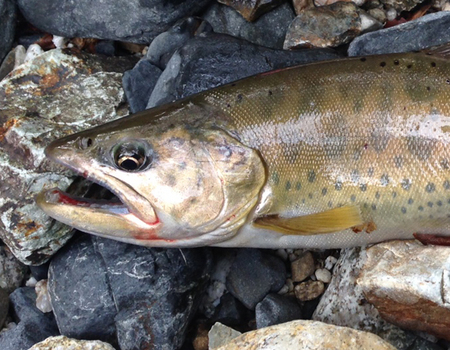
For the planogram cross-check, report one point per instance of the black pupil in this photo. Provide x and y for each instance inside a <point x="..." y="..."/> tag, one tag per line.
<point x="130" y="164"/>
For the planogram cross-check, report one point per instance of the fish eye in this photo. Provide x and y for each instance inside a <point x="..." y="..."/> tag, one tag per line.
<point x="132" y="155"/>
<point x="85" y="142"/>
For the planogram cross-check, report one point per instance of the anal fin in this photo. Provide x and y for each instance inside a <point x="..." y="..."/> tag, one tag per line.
<point x="328" y="221"/>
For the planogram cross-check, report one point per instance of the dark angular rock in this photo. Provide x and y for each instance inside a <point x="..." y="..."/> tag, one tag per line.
<point x="40" y="272"/>
<point x="214" y="59"/>
<point x="80" y="293"/>
<point x="275" y="309"/>
<point x="4" y="306"/>
<point x="254" y="274"/>
<point x="231" y="312"/>
<point x="138" y="21"/>
<point x="268" y="30"/>
<point x="33" y="325"/>
<point x="7" y="26"/>
<point x="105" y="47"/>
<point x="138" y="84"/>
<point x="429" y="30"/>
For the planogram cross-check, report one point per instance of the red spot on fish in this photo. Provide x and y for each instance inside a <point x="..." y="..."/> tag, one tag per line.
<point x="366" y="145"/>
<point x="426" y="239"/>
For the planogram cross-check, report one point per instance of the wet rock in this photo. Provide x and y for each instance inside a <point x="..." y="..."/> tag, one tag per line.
<point x="401" y="5"/>
<point x="220" y="335"/>
<point x="419" y="298"/>
<point x="62" y="342"/>
<point x="12" y="271"/>
<point x="410" y="36"/>
<point x="53" y="95"/>
<point x="138" y="84"/>
<point x="328" y="26"/>
<point x="275" y="309"/>
<point x="302" y="267"/>
<point x="7" y="26"/>
<point x="33" y="326"/>
<point x="307" y="335"/>
<point x="135" y="21"/>
<point x="252" y="9"/>
<point x="268" y="30"/>
<point x="145" y="297"/>
<point x="214" y="59"/>
<point x="309" y="290"/>
<point x="254" y="274"/>
<point x="4" y="306"/>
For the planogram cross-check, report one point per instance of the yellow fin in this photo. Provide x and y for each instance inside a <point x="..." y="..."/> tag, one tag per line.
<point x="328" y="221"/>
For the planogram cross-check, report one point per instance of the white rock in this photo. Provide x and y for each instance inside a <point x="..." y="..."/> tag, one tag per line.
<point x="64" y="343"/>
<point x="391" y="14"/>
<point x="59" y="41"/>
<point x="31" y="282"/>
<point x="220" y="334"/>
<point x="34" y="50"/>
<point x="323" y="275"/>
<point x="330" y="261"/>
<point x="19" y="57"/>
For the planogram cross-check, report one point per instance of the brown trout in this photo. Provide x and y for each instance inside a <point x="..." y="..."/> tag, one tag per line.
<point x="325" y="155"/>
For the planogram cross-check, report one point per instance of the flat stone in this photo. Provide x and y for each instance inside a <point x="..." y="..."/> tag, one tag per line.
<point x="302" y="267"/>
<point x="275" y="309"/>
<point x="306" y="335"/>
<point x="252" y="9"/>
<point x="53" y="95"/>
<point x="409" y="284"/>
<point x="7" y="27"/>
<point x="410" y="36"/>
<point x="134" y="20"/>
<point x="62" y="342"/>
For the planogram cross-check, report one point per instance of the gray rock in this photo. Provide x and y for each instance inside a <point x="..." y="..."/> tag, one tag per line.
<point x="62" y="342"/>
<point x="138" y="84"/>
<point x="268" y="30"/>
<point x="33" y="325"/>
<point x="7" y="26"/>
<point x="54" y="94"/>
<point x="220" y="334"/>
<point x="254" y="274"/>
<point x="275" y="309"/>
<point x="138" y="21"/>
<point x="252" y="9"/>
<point x="12" y="271"/>
<point x="214" y="59"/>
<point x="231" y="312"/>
<point x="429" y="30"/>
<point x="4" y="306"/>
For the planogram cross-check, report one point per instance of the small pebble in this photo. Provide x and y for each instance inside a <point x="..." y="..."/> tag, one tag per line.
<point x="391" y="14"/>
<point x="309" y="290"/>
<point x="59" y="41"/>
<point x="323" y="275"/>
<point x="31" y="282"/>
<point x="43" y="297"/>
<point x="330" y="261"/>
<point x="303" y="267"/>
<point x="33" y="51"/>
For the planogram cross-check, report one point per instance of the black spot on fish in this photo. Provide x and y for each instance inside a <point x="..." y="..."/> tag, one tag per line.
<point x="403" y="209"/>
<point x="439" y="203"/>
<point x="374" y="207"/>
<point x="303" y="200"/>
<point x="377" y="195"/>
<point x="353" y="198"/>
<point x="365" y="205"/>
<point x="330" y="204"/>
<point x="239" y="98"/>
<point x="383" y="64"/>
<point x="420" y="208"/>
<point x="310" y="195"/>
<point x="406" y="184"/>
<point x="298" y="186"/>
<point x="384" y="180"/>
<point x="446" y="185"/>
<point x="430" y="204"/>
<point x="288" y="185"/>
<point x="433" y="64"/>
<point x="355" y="176"/>
<point x="396" y="62"/>
<point x="270" y="93"/>
<point x="275" y="178"/>
<point x="233" y="84"/>
<point x="363" y="187"/>
<point x="379" y="142"/>
<point x="311" y="176"/>
<point x="398" y="161"/>
<point x="410" y="201"/>
<point x="394" y="194"/>
<point x="430" y="187"/>
<point x="338" y="185"/>
<point x="324" y="191"/>
<point x="428" y="88"/>
<point x="362" y="59"/>
<point x="409" y="66"/>
<point x="370" y="171"/>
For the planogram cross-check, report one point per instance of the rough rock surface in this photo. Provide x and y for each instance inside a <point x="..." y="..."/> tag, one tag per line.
<point x="134" y="20"/>
<point x="214" y="59"/>
<point x="12" y="271"/>
<point x="52" y="95"/>
<point x="252" y="9"/>
<point x="306" y="335"/>
<point x="61" y="342"/>
<point x="220" y="334"/>
<point x="401" y="5"/>
<point x="410" y="36"/>
<point x="145" y="297"/>
<point x="7" y="26"/>
<point x="275" y="309"/>
<point x="269" y="30"/>
<point x="409" y="284"/>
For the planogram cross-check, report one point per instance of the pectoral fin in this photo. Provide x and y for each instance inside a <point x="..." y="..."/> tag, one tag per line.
<point x="329" y="221"/>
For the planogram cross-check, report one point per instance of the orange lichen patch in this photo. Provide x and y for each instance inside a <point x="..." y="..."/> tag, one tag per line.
<point x="28" y="228"/>
<point x="50" y="80"/>
<point x="6" y="126"/>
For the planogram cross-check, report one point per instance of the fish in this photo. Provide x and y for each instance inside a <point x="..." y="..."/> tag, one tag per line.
<point x="331" y="154"/>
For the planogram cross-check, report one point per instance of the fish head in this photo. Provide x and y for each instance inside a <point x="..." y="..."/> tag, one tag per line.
<point x="181" y="179"/>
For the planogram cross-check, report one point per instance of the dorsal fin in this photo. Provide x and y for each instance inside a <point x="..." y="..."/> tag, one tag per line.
<point x="439" y="51"/>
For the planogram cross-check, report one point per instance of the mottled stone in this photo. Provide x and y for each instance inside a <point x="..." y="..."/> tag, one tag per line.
<point x="401" y="5"/>
<point x="220" y="335"/>
<point x="12" y="271"/>
<point x="61" y="342"/>
<point x="302" y="267"/>
<point x="306" y="335"/>
<point x="412" y="293"/>
<point x="53" y="95"/>
<point x="410" y="36"/>
<point x="268" y="30"/>
<point x="254" y="274"/>
<point x="133" y="20"/>
<point x="7" y="26"/>
<point x="4" y="306"/>
<point x="309" y="290"/>
<point x="252" y="9"/>
<point x="275" y="309"/>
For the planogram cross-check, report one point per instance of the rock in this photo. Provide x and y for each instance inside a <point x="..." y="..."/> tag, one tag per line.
<point x="42" y="297"/>
<point x="145" y="297"/>
<point x="412" y="293"/>
<point x="254" y="274"/>
<point x="326" y="26"/>
<point x="4" y="306"/>
<point x="33" y="326"/>
<point x="165" y="44"/>
<point x="401" y="5"/>
<point x="410" y="36"/>
<point x="302" y="267"/>
<point x="323" y="275"/>
<point x="309" y="290"/>
<point x="40" y="272"/>
<point x="275" y="309"/>
<point x="269" y="30"/>
<point x="136" y="21"/>
<point x="214" y="59"/>
<point x="138" y="84"/>
<point x="56" y="94"/>
<point x="252" y="9"/>
<point x="61" y="342"/>
<point x="231" y="311"/>
<point x="220" y="335"/>
<point x="8" y="64"/>
<point x="12" y="271"/>
<point x="343" y="303"/>
<point x="306" y="335"/>
<point x="7" y="26"/>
